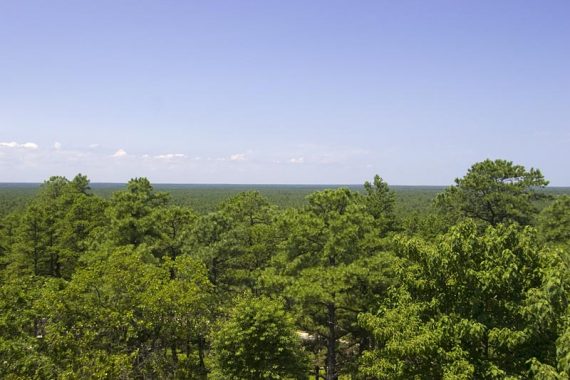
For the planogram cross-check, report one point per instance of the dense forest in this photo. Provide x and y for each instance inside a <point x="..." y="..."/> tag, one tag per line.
<point x="349" y="284"/>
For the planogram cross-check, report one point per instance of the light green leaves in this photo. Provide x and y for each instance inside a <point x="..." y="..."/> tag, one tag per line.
<point x="257" y="341"/>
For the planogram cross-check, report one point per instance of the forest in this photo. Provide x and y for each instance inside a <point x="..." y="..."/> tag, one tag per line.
<point x="348" y="283"/>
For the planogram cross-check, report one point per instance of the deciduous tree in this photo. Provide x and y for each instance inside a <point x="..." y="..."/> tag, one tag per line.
<point x="475" y="305"/>
<point x="257" y="341"/>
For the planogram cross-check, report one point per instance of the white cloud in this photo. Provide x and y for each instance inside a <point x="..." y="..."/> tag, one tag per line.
<point x="298" y="160"/>
<point x="93" y="146"/>
<point x="169" y="156"/>
<point x="238" y="157"/>
<point x="120" y="153"/>
<point x="30" y="145"/>
<point x="13" y="144"/>
<point x="57" y="145"/>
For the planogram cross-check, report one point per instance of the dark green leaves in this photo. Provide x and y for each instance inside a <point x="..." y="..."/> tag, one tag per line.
<point x="494" y="192"/>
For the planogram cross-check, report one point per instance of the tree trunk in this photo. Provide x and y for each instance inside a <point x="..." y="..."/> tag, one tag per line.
<point x="331" y="344"/>
<point x="57" y="266"/>
<point x="174" y="351"/>
<point x="36" y="260"/>
<point x="201" y="349"/>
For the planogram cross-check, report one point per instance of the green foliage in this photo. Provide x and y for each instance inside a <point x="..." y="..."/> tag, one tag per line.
<point x="483" y="303"/>
<point x="324" y="267"/>
<point x="237" y="241"/>
<point x="22" y="328"/>
<point x="52" y="231"/>
<point x="494" y="192"/>
<point x="554" y="221"/>
<point x="127" y="317"/>
<point x="131" y="212"/>
<point x="373" y="282"/>
<point x="172" y="230"/>
<point x="380" y="202"/>
<point x="257" y="341"/>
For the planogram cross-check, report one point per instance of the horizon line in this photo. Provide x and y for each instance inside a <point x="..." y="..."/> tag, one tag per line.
<point x="243" y="184"/>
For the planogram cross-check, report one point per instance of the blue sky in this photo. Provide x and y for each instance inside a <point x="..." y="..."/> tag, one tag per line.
<point x="282" y="91"/>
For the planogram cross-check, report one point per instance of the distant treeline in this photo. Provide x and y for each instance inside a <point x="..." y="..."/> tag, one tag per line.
<point x="205" y="198"/>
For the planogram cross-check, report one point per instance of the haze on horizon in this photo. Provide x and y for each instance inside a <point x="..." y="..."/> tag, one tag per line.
<point x="282" y="92"/>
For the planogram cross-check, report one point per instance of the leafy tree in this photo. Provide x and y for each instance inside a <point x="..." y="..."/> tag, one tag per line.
<point x="22" y="349"/>
<point x="32" y="243"/>
<point x="54" y="229"/>
<point x="257" y="341"/>
<point x="131" y="212"/>
<point x="208" y="242"/>
<point x="8" y="226"/>
<point x="237" y="241"/>
<point x="173" y="231"/>
<point x="494" y="192"/>
<point x="127" y="317"/>
<point x="75" y="229"/>
<point x="183" y="309"/>
<point x="427" y="225"/>
<point x="380" y="202"/>
<point x="475" y="305"/>
<point x="132" y="287"/>
<point x="326" y="267"/>
<point x="556" y="288"/>
<point x="554" y="221"/>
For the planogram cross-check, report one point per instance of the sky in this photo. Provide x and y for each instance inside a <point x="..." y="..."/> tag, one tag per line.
<point x="309" y="91"/>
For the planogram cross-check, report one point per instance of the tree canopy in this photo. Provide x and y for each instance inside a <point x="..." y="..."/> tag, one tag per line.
<point x="348" y="285"/>
<point x="494" y="192"/>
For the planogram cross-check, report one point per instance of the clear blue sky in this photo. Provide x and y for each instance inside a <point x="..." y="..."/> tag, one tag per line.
<point x="282" y="91"/>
